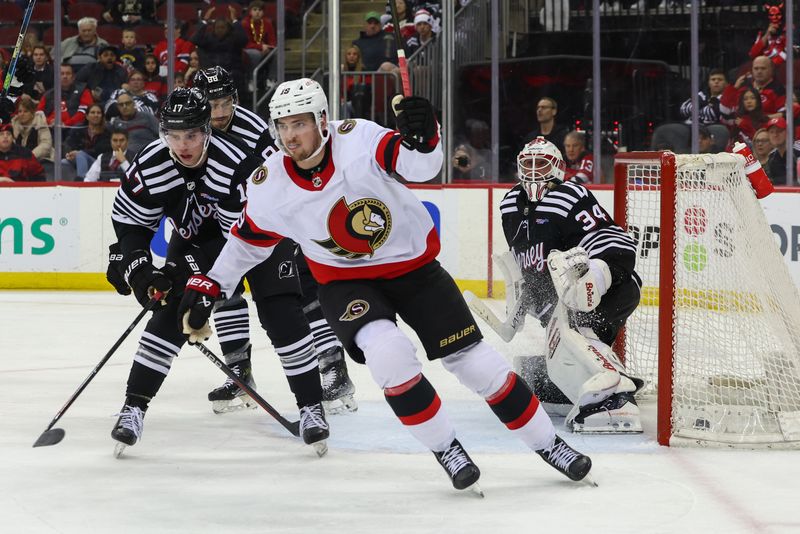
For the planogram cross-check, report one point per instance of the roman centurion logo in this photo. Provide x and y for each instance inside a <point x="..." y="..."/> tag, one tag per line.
<point x="357" y="229"/>
<point x="354" y="310"/>
<point x="260" y="176"/>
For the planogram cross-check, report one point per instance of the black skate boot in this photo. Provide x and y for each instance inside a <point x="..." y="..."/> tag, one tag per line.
<point x="314" y="427"/>
<point x="337" y="389"/>
<point x="129" y="427"/>
<point x="459" y="467"/>
<point x="566" y="459"/>
<point x="229" y="397"/>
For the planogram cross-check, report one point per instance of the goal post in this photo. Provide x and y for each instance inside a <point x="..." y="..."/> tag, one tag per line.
<point x="717" y="332"/>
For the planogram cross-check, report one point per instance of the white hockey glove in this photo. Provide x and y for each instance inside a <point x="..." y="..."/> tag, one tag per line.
<point x="579" y="281"/>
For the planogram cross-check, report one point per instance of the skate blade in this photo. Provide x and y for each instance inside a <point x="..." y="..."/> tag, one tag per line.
<point x="607" y="429"/>
<point x="228" y="406"/>
<point x="341" y="405"/>
<point x="589" y="480"/>
<point x="321" y="447"/>
<point x="476" y="489"/>
<point x="119" y="448"/>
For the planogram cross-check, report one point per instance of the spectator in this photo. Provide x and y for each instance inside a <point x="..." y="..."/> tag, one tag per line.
<point x="771" y="43"/>
<point x="749" y="116"/>
<point x="153" y="81"/>
<point x="84" y="145"/>
<point x="468" y="164"/>
<point x="706" y="143"/>
<point x="580" y="162"/>
<point x="75" y="99"/>
<point x="105" y="76"/>
<point x="405" y="14"/>
<point x="131" y="55"/>
<point x="221" y="44"/>
<point x="260" y="33"/>
<point x="42" y="72"/>
<point x="194" y="66"/>
<point x="180" y="81"/>
<point x="29" y="42"/>
<point x="378" y="50"/>
<point x="142" y="127"/>
<point x="183" y="50"/>
<point x="546" y="111"/>
<point x="83" y="48"/>
<point x="776" y="163"/>
<point x="762" y="146"/>
<point x="760" y="78"/>
<point x="358" y="94"/>
<point x="112" y="165"/>
<point x="31" y="131"/>
<point x="17" y="163"/>
<point x="128" y="12"/>
<point x="423" y="33"/>
<point x="145" y="100"/>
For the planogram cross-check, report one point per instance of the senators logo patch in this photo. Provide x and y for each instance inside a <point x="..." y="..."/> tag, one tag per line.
<point x="260" y="176"/>
<point x="346" y="126"/>
<point x="354" y="310"/>
<point x="357" y="229"/>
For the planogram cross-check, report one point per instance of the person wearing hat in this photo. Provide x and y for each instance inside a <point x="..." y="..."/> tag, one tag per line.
<point x="377" y="47"/>
<point x="105" y="76"/>
<point x="776" y="163"/>
<point x="17" y="163"/>
<point x="423" y="26"/>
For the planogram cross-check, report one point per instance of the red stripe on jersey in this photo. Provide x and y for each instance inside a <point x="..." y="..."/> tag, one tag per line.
<point x="249" y="232"/>
<point x="425" y="415"/>
<point x="379" y="153"/>
<point x="526" y="416"/>
<point x="324" y="273"/>
<point x="324" y="175"/>
<point x="503" y="392"/>
<point x="435" y="139"/>
<point x="402" y="388"/>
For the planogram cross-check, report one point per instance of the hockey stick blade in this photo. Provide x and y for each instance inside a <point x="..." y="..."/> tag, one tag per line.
<point x="50" y="437"/>
<point x="503" y="328"/>
<point x="291" y="426"/>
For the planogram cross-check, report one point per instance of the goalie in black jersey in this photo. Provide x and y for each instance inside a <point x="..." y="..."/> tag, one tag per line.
<point x="228" y="116"/>
<point x="195" y="177"/>
<point x="572" y="268"/>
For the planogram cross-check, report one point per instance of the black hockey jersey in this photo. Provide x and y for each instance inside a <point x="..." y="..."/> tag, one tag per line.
<point x="201" y="203"/>
<point x="253" y="130"/>
<point x="568" y="216"/>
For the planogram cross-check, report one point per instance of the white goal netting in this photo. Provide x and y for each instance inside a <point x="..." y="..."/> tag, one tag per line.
<point x="735" y="343"/>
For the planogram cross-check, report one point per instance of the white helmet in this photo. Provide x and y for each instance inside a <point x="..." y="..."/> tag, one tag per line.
<point x="539" y="162"/>
<point x="294" y="98"/>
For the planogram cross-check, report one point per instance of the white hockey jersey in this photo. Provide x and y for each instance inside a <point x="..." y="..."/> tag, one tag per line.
<point x="351" y="218"/>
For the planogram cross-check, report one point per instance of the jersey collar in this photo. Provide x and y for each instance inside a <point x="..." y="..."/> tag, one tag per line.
<point x="314" y="179"/>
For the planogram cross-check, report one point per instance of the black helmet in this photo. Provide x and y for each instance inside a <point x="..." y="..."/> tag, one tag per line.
<point x="215" y="82"/>
<point x="185" y="109"/>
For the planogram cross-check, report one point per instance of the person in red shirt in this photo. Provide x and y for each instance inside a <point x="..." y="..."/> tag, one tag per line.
<point x="75" y="100"/>
<point x="771" y="43"/>
<point x="260" y="33"/>
<point x="183" y="49"/>
<point x="17" y="163"/>
<point x="580" y="162"/>
<point x="761" y="78"/>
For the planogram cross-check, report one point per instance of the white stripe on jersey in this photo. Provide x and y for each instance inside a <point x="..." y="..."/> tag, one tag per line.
<point x="147" y="171"/>
<point x="550" y="201"/>
<point x="126" y="211"/>
<point x="177" y="182"/>
<point x="579" y="189"/>
<point x="159" y="180"/>
<point x="552" y="209"/>
<point x="601" y="240"/>
<point x="229" y="150"/>
<point x="509" y="202"/>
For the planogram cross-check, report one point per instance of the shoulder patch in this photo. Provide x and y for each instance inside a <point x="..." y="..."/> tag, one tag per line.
<point x="346" y="126"/>
<point x="260" y="175"/>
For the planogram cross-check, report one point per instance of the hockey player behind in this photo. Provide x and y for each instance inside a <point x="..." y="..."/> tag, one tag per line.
<point x="195" y="177"/>
<point x="572" y="269"/>
<point x="372" y="246"/>
<point x="228" y="116"/>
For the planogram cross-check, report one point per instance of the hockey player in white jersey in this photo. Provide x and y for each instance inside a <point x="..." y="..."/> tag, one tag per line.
<point x="372" y="246"/>
<point x="228" y="116"/>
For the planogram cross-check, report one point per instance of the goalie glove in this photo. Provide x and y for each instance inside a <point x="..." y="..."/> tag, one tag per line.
<point x="416" y="122"/>
<point x="196" y="306"/>
<point x="579" y="281"/>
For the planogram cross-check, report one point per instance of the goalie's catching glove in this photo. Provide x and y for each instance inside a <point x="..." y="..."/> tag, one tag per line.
<point x="584" y="294"/>
<point x="416" y="122"/>
<point x="196" y="306"/>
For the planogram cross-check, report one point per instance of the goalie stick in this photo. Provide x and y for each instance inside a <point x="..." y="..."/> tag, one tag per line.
<point x="291" y="426"/>
<point x="507" y="328"/>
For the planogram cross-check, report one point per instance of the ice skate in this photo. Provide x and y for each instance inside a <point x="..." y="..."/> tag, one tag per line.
<point x="314" y="427"/>
<point x="459" y="467"/>
<point x="337" y="389"/>
<point x="618" y="414"/>
<point x="567" y="460"/>
<point x="128" y="429"/>
<point x="229" y="397"/>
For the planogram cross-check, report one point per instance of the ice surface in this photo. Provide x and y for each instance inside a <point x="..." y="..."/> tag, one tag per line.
<point x="197" y="472"/>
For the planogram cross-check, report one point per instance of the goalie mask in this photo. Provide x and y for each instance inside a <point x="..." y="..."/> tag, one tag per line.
<point x="296" y="97"/>
<point x="185" y="126"/>
<point x="538" y="163"/>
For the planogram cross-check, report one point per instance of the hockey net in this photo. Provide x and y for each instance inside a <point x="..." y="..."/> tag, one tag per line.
<point x="717" y="332"/>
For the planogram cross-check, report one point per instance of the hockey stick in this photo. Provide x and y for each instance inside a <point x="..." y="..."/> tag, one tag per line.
<point x="52" y="436"/>
<point x="291" y="426"/>
<point x="505" y="329"/>
<point x="402" y="63"/>
<point x="12" y="65"/>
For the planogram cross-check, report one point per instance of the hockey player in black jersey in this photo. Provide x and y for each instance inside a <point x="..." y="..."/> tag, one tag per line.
<point x="572" y="268"/>
<point x="228" y="116"/>
<point x="195" y="177"/>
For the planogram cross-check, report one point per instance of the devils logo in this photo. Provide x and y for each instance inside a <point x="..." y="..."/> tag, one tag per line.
<point x="357" y="229"/>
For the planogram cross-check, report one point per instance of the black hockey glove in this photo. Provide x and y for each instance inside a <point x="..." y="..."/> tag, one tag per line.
<point x="114" y="271"/>
<point x="416" y="122"/>
<point x="196" y="306"/>
<point x="143" y="278"/>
